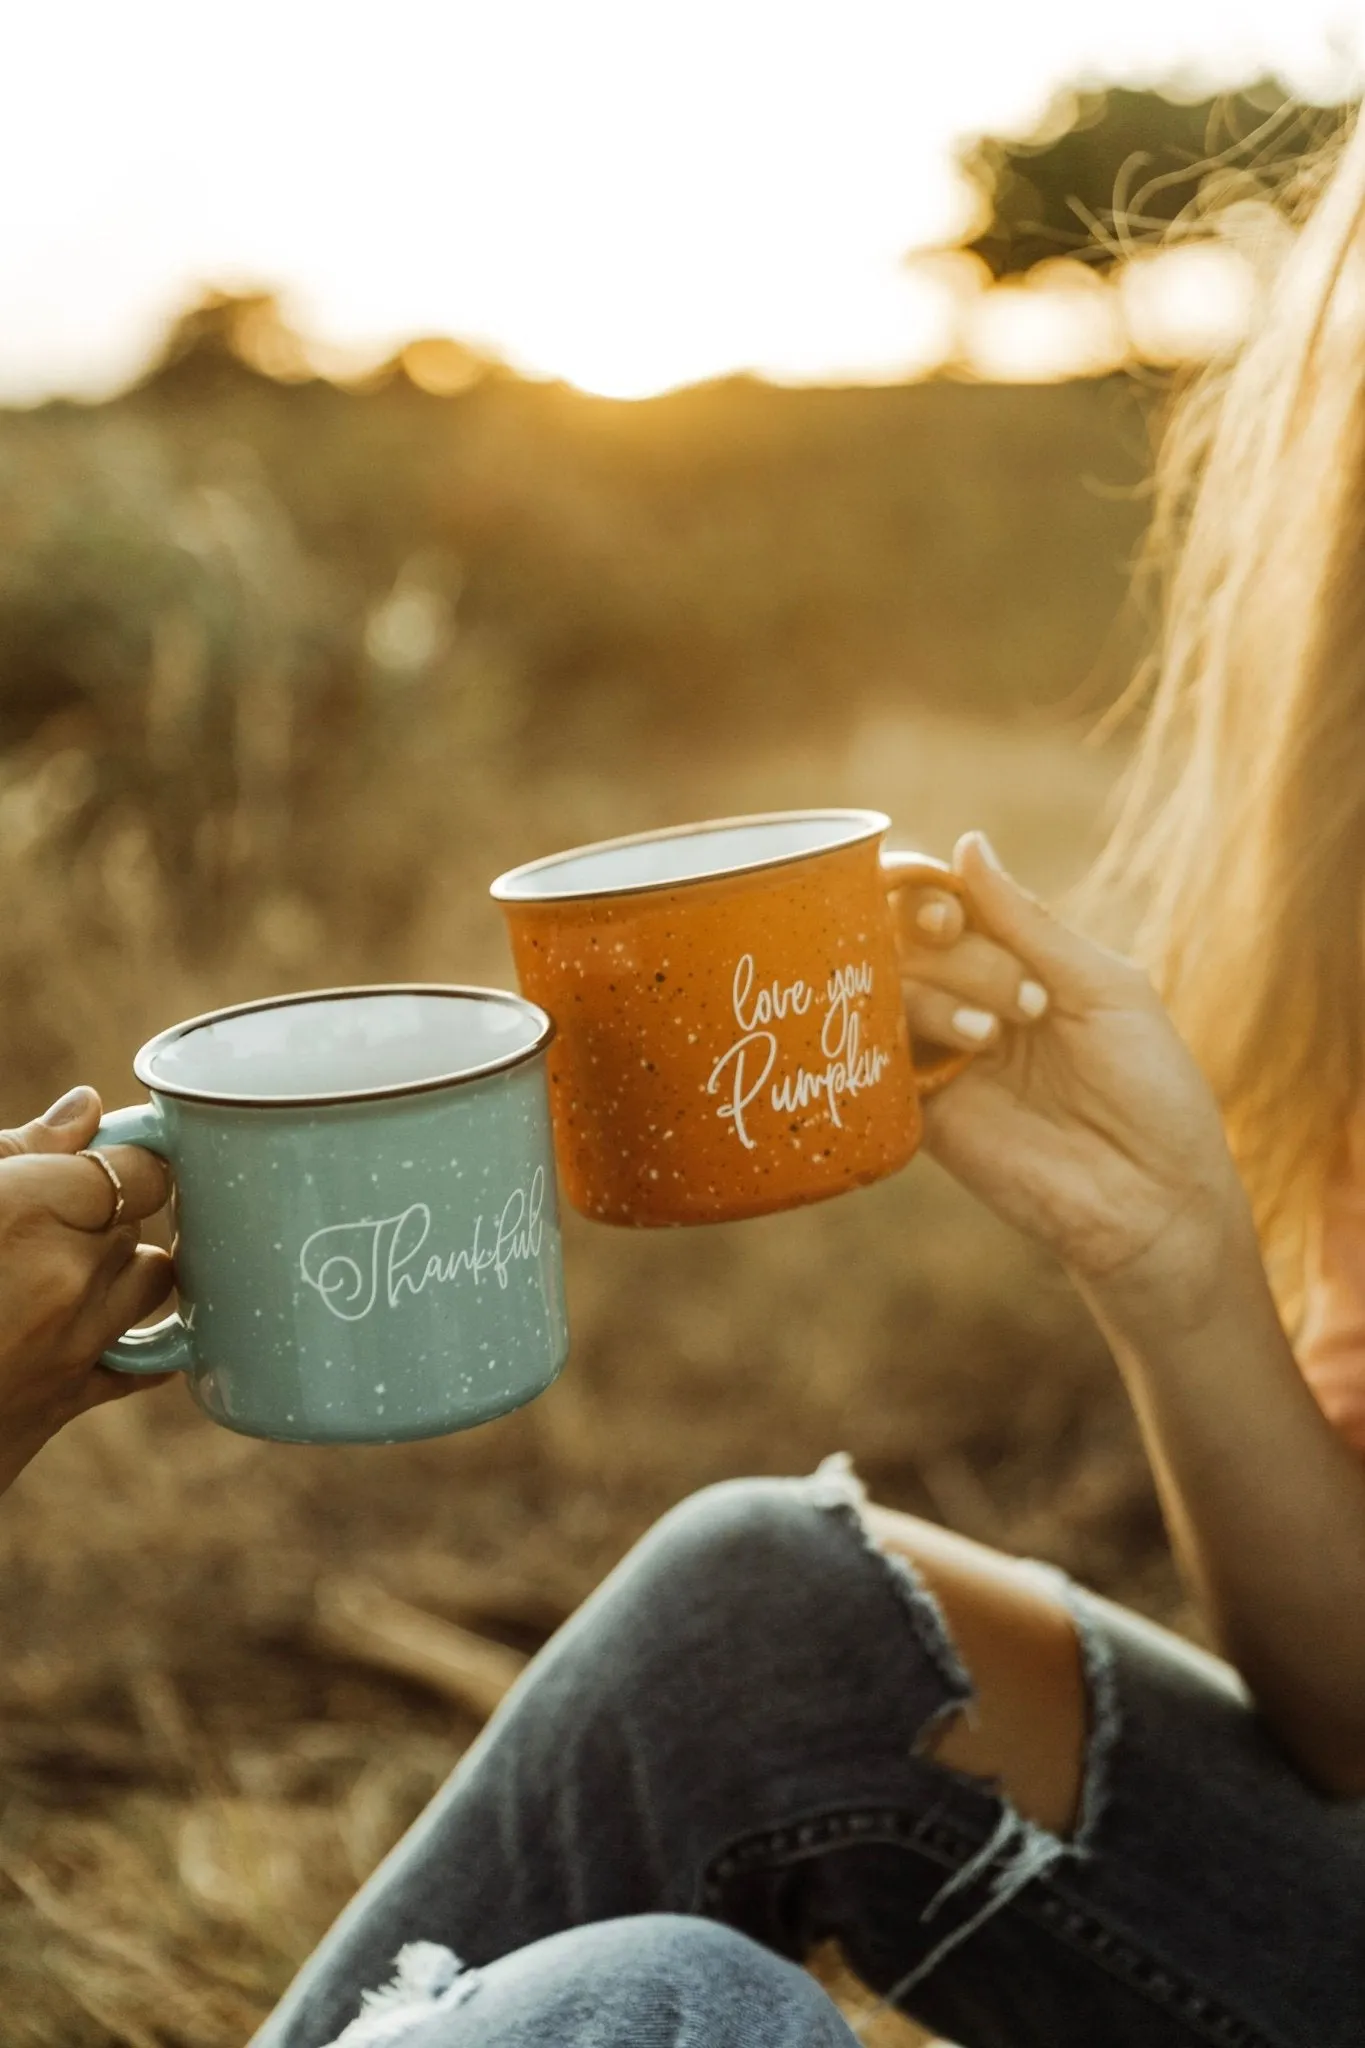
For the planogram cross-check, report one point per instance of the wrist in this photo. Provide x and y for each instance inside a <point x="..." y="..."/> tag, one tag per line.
<point x="1204" y="1270"/>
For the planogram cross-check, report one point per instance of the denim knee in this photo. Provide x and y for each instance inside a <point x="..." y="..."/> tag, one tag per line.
<point x="653" y="1980"/>
<point x="739" y="1539"/>
<point x="737" y="1549"/>
<point x="755" y="1608"/>
<point x="748" y="1565"/>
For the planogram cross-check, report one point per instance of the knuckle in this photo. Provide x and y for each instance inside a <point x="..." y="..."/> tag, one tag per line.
<point x="71" y="1280"/>
<point x="926" y="1007"/>
<point x="136" y="1163"/>
<point x="976" y="971"/>
<point x="32" y="1232"/>
<point x="11" y="1144"/>
<point x="122" y="1240"/>
<point x="990" y="965"/>
<point x="1000" y="987"/>
<point x="66" y="1270"/>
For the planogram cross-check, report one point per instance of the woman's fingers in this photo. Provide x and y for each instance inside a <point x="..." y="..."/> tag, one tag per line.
<point x="69" y="1124"/>
<point x="144" y="1177"/>
<point x="979" y="973"/>
<point x="1000" y="958"/>
<point x="945" y="1020"/>
<point x="41" y="1167"/>
<point x="1073" y="969"/>
<point x="933" y="917"/>
<point x="139" y="1287"/>
<point x="78" y="1192"/>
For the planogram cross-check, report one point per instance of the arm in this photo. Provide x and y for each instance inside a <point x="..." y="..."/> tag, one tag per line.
<point x="70" y="1281"/>
<point x="1330" y="1344"/>
<point x="1264" y="1499"/>
<point x="1093" y="1131"/>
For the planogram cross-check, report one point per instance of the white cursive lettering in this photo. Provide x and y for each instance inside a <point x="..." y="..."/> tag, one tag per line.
<point x="356" y="1266"/>
<point x="764" y="1004"/>
<point x="848" y="1075"/>
<point x="843" y="989"/>
<point x="750" y="1065"/>
<point x="744" y="1088"/>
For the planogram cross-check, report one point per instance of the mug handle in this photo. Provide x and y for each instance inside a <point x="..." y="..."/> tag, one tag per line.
<point x="165" y="1347"/>
<point x="903" y="871"/>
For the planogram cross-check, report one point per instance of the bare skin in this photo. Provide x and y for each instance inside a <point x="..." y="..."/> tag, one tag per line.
<point x="70" y="1280"/>
<point x="1027" y="1725"/>
<point x="1088" y="1126"/>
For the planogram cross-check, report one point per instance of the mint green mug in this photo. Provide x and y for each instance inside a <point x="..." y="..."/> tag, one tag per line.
<point x="367" y="1236"/>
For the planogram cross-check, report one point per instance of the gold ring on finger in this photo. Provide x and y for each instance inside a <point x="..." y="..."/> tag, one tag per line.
<point x="120" y="1203"/>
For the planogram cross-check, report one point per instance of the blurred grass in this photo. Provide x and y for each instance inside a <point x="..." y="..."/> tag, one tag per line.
<point x="286" y="674"/>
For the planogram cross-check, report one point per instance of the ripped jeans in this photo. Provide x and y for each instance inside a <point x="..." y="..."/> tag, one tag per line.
<point x="717" y="1764"/>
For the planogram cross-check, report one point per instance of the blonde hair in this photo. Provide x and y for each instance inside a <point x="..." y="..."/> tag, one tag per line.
<point x="1242" y="822"/>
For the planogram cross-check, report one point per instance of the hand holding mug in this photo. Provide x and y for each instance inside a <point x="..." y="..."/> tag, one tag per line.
<point x="1093" y="1131"/>
<point x="72" y="1274"/>
<point x="960" y="986"/>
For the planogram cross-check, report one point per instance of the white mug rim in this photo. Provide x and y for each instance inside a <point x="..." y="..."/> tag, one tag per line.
<point x="144" y="1058"/>
<point x="871" y="825"/>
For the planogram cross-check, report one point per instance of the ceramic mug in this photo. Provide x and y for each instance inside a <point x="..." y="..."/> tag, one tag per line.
<point x="731" y="1037"/>
<point x="367" y="1239"/>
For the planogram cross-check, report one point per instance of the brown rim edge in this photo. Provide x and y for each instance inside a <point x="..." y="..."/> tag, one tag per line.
<point x="875" y="822"/>
<point x="142" y="1059"/>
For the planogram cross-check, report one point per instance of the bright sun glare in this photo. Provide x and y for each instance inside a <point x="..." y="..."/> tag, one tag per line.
<point x="628" y="197"/>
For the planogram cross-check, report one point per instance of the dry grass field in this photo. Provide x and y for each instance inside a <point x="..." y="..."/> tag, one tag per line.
<point x="195" y="1769"/>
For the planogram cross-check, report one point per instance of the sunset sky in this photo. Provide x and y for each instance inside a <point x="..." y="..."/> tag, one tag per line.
<point x="629" y="196"/>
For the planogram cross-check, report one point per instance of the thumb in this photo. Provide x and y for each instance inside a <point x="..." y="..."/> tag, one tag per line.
<point x="1070" y="966"/>
<point x="68" y="1126"/>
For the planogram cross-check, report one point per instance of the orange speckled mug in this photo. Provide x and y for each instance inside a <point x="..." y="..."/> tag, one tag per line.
<point x="731" y="1038"/>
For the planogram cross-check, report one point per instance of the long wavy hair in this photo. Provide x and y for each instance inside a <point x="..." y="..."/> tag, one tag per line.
<point x="1241" y="827"/>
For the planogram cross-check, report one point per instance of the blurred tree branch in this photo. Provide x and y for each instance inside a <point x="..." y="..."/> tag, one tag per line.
<point x="1110" y="168"/>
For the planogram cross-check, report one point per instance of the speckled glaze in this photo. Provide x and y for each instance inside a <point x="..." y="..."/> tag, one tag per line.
<point x="364" y="1271"/>
<point x="728" y="1045"/>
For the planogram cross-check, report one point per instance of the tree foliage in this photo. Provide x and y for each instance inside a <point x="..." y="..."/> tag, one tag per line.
<point x="1109" y="168"/>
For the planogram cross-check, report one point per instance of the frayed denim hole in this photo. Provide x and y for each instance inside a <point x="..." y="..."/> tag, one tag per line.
<point x="1019" y="1851"/>
<point x="428" y="1980"/>
<point x="1102" y="1696"/>
<point x="835" y="1488"/>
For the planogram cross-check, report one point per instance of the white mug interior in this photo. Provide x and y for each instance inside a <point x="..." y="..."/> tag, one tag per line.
<point x="341" y="1045"/>
<point x="694" y="854"/>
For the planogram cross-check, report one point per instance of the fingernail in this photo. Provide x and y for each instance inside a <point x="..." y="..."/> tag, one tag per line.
<point x="1032" y="998"/>
<point x="989" y="854"/>
<point x="68" y="1108"/>
<point x="933" y="916"/>
<point x="978" y="1025"/>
